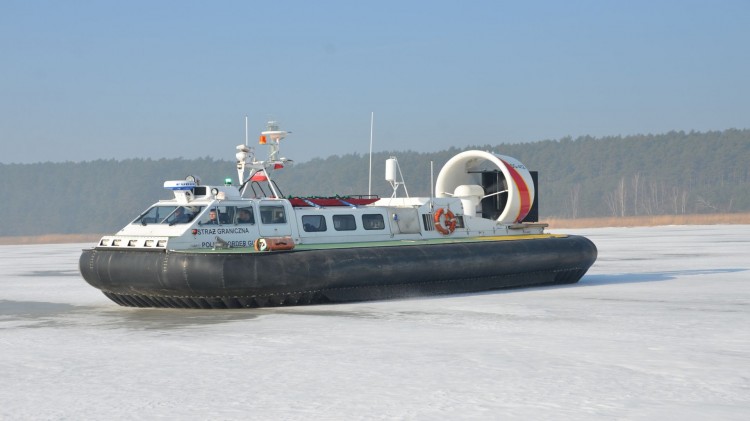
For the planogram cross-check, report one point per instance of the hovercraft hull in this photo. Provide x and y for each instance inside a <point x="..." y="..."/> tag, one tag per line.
<point x="234" y="279"/>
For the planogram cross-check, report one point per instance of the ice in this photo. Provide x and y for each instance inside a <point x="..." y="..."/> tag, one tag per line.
<point x="659" y="328"/>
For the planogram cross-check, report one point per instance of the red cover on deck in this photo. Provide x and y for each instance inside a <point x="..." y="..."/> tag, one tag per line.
<point x="332" y="201"/>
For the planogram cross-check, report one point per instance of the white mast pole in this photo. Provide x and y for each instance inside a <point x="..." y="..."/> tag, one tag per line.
<point x="369" y="185"/>
<point x="245" y="130"/>
<point x="432" y="188"/>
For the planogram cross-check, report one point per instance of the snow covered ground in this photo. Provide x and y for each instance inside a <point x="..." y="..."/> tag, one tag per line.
<point x="658" y="329"/>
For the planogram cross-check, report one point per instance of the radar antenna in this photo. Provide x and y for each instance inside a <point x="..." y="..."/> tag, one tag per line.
<point x="245" y="155"/>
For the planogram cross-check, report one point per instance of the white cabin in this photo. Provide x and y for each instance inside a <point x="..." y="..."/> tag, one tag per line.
<point x="478" y="194"/>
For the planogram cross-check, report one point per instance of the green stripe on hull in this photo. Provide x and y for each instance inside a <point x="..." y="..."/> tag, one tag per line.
<point x="389" y="243"/>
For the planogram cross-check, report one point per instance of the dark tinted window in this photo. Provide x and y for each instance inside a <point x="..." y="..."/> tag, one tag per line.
<point x="272" y="215"/>
<point x="373" y="221"/>
<point x="313" y="223"/>
<point x="245" y="215"/>
<point x="344" y="223"/>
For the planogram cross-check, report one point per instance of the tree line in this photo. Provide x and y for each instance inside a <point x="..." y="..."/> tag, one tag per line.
<point x="671" y="173"/>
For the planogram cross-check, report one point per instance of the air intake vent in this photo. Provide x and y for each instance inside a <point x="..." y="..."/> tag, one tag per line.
<point x="428" y="221"/>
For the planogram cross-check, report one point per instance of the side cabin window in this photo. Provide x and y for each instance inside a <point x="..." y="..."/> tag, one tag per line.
<point x="244" y="215"/>
<point x="170" y="215"/>
<point x="183" y="215"/>
<point x="314" y="223"/>
<point x="154" y="215"/>
<point x="344" y="223"/>
<point x="373" y="221"/>
<point x="220" y="215"/>
<point x="272" y="215"/>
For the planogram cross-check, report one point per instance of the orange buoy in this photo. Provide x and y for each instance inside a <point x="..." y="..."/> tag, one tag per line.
<point x="273" y="244"/>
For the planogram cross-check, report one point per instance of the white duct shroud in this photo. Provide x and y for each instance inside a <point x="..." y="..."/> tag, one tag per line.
<point x="461" y="177"/>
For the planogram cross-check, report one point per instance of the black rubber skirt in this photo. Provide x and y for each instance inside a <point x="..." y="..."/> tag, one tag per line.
<point x="239" y="280"/>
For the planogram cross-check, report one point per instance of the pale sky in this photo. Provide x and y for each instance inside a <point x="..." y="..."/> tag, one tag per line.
<point x="86" y="80"/>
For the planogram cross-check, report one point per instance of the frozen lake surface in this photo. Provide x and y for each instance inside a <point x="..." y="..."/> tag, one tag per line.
<point x="658" y="329"/>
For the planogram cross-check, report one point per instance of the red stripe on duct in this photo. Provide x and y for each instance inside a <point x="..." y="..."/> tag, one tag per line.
<point x="523" y="191"/>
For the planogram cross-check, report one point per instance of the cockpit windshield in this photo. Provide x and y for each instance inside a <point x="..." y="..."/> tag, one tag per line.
<point x="170" y="215"/>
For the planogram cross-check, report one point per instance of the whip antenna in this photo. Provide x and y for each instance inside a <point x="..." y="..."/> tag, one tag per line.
<point x="369" y="182"/>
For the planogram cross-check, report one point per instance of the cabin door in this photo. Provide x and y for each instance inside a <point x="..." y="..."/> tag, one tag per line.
<point x="274" y="219"/>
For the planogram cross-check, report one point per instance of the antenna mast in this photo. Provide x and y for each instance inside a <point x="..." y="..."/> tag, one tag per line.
<point x="274" y="135"/>
<point x="369" y="185"/>
<point x="270" y="137"/>
<point x="243" y="153"/>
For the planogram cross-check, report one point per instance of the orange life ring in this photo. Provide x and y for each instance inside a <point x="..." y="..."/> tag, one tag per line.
<point x="448" y="225"/>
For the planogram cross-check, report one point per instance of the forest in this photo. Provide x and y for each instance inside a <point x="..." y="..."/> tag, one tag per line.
<point x="671" y="173"/>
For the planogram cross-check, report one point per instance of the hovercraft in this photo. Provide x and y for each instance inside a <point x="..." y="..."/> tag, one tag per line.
<point x="245" y="245"/>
